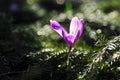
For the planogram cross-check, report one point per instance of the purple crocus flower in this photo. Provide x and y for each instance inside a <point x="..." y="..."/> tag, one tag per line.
<point x="76" y="29"/>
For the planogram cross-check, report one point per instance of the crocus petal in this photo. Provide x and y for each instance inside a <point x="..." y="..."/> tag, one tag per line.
<point x="58" y="28"/>
<point x="69" y="39"/>
<point x="74" y="26"/>
<point x="80" y="29"/>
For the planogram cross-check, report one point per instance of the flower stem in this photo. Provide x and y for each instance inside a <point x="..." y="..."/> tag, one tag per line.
<point x="68" y="58"/>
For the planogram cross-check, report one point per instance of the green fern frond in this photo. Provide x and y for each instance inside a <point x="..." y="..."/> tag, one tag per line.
<point x="108" y="55"/>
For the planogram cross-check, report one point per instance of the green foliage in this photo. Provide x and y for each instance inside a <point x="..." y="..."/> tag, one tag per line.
<point x="15" y="43"/>
<point x="54" y="65"/>
<point x="101" y="39"/>
<point x="108" y="6"/>
<point x="105" y="60"/>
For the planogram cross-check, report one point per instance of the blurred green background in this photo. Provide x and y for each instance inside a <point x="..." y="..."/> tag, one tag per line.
<point x="31" y="50"/>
